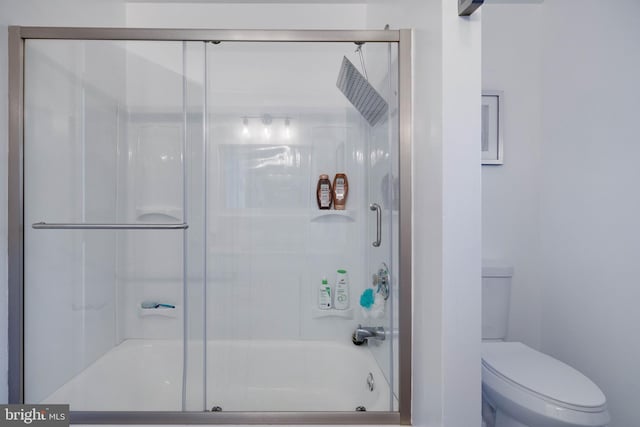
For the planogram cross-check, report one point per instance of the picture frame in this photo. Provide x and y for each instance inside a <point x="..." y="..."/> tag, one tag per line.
<point x="492" y="134"/>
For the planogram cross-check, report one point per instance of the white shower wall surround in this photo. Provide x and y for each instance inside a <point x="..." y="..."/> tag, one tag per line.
<point x="159" y="140"/>
<point x="273" y="254"/>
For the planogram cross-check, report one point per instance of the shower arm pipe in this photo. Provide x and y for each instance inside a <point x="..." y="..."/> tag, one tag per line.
<point x="97" y="226"/>
<point x="362" y="64"/>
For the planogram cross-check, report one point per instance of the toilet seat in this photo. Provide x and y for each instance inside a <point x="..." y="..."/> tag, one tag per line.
<point x="538" y="389"/>
<point x="542" y="375"/>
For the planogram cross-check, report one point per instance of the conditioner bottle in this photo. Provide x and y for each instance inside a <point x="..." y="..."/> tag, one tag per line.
<point x="341" y="291"/>
<point x="340" y="191"/>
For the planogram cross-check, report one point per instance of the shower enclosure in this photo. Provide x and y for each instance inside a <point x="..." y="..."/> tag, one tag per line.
<point x="166" y="247"/>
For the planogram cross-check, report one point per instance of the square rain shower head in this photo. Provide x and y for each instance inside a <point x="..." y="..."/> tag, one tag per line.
<point x="360" y="93"/>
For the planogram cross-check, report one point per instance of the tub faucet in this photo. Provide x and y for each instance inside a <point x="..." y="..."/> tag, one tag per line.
<point x="364" y="333"/>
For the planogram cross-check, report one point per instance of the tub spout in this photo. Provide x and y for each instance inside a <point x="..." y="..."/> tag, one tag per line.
<point x="364" y="333"/>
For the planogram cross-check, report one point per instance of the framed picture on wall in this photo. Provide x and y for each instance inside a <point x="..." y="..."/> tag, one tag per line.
<point x="492" y="125"/>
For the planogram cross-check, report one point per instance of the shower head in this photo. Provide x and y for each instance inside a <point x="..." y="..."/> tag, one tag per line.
<point x="360" y="93"/>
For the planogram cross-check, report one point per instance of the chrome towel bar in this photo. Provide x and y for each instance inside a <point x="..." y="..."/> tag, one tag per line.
<point x="92" y="226"/>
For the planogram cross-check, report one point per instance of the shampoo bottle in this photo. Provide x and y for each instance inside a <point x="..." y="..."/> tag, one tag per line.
<point x="324" y="194"/>
<point x="341" y="291"/>
<point x="324" y="295"/>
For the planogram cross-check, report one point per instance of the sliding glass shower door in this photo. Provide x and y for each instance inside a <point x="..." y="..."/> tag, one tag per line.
<point x="176" y="257"/>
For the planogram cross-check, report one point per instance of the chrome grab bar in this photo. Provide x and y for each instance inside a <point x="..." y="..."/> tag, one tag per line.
<point x="376" y="207"/>
<point x="95" y="226"/>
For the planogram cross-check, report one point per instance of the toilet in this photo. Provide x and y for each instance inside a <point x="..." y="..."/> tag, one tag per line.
<point x="522" y="387"/>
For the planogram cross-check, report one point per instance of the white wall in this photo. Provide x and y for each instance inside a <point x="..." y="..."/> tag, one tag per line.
<point x="510" y="192"/>
<point x="590" y="204"/>
<point x="461" y="230"/>
<point x="247" y="15"/>
<point x="575" y="237"/>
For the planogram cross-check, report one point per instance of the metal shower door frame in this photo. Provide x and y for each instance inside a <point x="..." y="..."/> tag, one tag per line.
<point x="17" y="37"/>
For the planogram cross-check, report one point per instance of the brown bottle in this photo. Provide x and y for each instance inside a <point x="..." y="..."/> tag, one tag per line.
<point x="324" y="195"/>
<point x="340" y="191"/>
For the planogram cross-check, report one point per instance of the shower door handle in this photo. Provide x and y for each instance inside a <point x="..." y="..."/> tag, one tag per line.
<point x="96" y="226"/>
<point x="376" y="207"/>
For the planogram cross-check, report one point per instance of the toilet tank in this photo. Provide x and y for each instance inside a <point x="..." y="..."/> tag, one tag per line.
<point x="496" y="290"/>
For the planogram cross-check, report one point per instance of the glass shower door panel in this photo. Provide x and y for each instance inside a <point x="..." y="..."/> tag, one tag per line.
<point x="105" y="158"/>
<point x="276" y="122"/>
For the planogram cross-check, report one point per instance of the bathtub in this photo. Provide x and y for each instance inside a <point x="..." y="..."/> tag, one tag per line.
<point x="269" y="375"/>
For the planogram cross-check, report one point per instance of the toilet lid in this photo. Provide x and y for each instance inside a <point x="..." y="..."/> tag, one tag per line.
<point x="541" y="374"/>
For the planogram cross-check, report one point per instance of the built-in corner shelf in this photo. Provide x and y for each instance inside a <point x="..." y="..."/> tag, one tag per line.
<point x="317" y="214"/>
<point x="317" y="313"/>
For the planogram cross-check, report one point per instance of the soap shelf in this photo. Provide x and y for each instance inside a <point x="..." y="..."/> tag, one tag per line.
<point x="158" y="312"/>
<point x="320" y="213"/>
<point x="317" y="313"/>
<point x="150" y="212"/>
